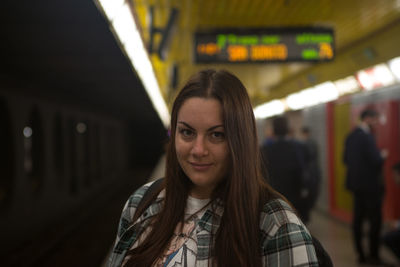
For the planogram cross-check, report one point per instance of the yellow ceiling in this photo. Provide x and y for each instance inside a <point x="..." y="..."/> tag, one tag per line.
<point x="352" y="20"/>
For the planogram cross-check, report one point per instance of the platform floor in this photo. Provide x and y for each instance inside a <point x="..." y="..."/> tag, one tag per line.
<point x="337" y="240"/>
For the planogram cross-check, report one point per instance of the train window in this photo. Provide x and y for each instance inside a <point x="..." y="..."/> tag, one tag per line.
<point x="6" y="157"/>
<point x="96" y="147"/>
<point x="34" y="151"/>
<point x="73" y="181"/>
<point x="58" y="147"/>
<point x="111" y="150"/>
<point x="82" y="128"/>
<point x="87" y="157"/>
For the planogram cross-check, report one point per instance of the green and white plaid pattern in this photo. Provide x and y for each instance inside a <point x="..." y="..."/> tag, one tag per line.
<point x="285" y="241"/>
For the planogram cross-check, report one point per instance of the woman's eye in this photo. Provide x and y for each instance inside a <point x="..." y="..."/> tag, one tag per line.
<point x="218" y="136"/>
<point x="186" y="132"/>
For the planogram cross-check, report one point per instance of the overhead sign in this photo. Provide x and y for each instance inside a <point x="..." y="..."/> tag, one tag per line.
<point x="264" y="45"/>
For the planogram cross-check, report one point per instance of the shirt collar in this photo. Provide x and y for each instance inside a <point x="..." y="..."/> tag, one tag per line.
<point x="209" y="222"/>
<point x="211" y="219"/>
<point x="365" y="127"/>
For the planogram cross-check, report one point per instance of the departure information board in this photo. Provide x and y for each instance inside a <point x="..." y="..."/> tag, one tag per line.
<point x="264" y="45"/>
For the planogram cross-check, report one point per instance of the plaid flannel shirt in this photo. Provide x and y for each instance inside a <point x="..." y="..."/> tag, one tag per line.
<point x="285" y="241"/>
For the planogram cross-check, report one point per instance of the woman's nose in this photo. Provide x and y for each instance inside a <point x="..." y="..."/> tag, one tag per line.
<point x="199" y="148"/>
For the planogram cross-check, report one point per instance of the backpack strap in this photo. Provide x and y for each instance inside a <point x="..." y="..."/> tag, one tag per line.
<point x="144" y="202"/>
<point x="323" y="257"/>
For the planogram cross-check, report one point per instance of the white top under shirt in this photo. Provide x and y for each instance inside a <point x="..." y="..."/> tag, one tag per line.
<point x="182" y="249"/>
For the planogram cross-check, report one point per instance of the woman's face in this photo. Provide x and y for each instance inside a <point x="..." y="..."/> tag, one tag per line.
<point x="200" y="144"/>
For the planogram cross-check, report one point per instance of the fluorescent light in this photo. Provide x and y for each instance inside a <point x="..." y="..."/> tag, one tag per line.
<point x="375" y="77"/>
<point x="302" y="99"/>
<point x="124" y="25"/>
<point x="365" y="80"/>
<point x="321" y="93"/>
<point x="384" y="75"/>
<point x="111" y="7"/>
<point x="371" y="78"/>
<point x="325" y="92"/>
<point x="295" y="101"/>
<point x="308" y="97"/>
<point x="121" y="18"/>
<point x="269" y="109"/>
<point x="394" y="66"/>
<point x="347" y="85"/>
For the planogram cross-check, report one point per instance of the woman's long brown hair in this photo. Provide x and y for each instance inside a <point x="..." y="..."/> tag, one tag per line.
<point x="243" y="192"/>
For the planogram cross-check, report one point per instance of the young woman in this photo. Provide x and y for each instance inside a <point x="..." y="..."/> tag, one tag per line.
<point x="213" y="207"/>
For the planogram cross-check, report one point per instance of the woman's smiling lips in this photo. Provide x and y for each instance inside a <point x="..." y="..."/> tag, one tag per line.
<point x="200" y="166"/>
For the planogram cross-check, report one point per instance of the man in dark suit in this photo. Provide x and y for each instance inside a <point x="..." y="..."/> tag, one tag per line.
<point x="364" y="164"/>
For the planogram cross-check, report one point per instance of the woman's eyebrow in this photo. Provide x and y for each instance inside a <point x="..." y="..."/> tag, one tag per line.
<point x="214" y="127"/>
<point x="187" y="125"/>
<point x="210" y="129"/>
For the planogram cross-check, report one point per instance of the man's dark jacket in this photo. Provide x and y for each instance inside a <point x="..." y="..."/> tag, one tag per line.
<point x="283" y="160"/>
<point x="364" y="162"/>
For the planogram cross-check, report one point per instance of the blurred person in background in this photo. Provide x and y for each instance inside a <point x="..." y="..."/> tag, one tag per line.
<point x="285" y="161"/>
<point x="364" y="162"/>
<point x="313" y="171"/>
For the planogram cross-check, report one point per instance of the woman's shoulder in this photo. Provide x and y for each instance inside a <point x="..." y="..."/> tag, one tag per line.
<point x="276" y="213"/>
<point x="136" y="197"/>
<point x="285" y="239"/>
<point x="133" y="202"/>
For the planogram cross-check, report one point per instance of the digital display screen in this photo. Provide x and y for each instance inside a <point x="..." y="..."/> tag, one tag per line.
<point x="265" y="45"/>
